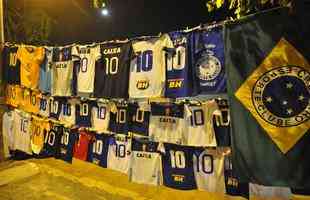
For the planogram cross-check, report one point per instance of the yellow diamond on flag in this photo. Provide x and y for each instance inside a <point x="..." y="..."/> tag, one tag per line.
<point x="277" y="94"/>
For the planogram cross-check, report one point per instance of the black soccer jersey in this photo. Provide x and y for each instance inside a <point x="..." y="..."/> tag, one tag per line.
<point x="119" y="120"/>
<point x="112" y="71"/>
<point x="11" y="65"/>
<point x="139" y="119"/>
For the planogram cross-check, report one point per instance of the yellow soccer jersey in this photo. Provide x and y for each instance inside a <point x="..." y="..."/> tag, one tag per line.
<point x="34" y="103"/>
<point x="30" y="60"/>
<point x="25" y="100"/>
<point x="39" y="126"/>
<point x="8" y="91"/>
<point x="12" y="95"/>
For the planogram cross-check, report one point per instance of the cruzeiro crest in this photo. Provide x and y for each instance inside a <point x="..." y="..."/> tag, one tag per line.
<point x="281" y="96"/>
<point x="208" y="67"/>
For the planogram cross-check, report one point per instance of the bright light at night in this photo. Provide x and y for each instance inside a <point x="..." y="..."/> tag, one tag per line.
<point x="105" y="12"/>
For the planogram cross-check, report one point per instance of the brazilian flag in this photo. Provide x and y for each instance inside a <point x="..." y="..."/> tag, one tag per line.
<point x="267" y="59"/>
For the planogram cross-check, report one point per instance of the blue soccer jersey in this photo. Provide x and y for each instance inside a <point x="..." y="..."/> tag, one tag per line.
<point x="221" y="124"/>
<point x="139" y="118"/>
<point x="177" y="162"/>
<point x="98" y="150"/>
<point x="45" y="81"/>
<point x="68" y="139"/>
<point x="207" y="49"/>
<point x="177" y="67"/>
<point x="83" y="113"/>
<point x="55" y="105"/>
<point x="119" y="120"/>
<point x="52" y="140"/>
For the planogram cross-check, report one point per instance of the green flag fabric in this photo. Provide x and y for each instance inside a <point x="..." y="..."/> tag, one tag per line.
<point x="267" y="60"/>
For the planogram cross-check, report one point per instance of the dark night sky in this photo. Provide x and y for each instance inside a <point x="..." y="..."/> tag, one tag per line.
<point x="128" y="18"/>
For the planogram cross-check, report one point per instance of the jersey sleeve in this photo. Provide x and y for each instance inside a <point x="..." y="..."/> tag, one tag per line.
<point x="41" y="54"/>
<point x="97" y="52"/>
<point x="75" y="53"/>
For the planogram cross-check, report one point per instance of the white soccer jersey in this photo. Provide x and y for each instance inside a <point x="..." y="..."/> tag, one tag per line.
<point x="199" y="125"/>
<point x="44" y="107"/>
<point x="209" y="169"/>
<point x="7" y="132"/>
<point x="119" y="153"/>
<point x="260" y="192"/>
<point x="62" y="78"/>
<point x="101" y="117"/>
<point x="147" y="68"/>
<point x="145" y="164"/>
<point x="88" y="56"/>
<point x="22" y="132"/>
<point x="67" y="114"/>
<point x="167" y="123"/>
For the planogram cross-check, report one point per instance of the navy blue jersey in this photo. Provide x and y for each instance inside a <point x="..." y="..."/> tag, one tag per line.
<point x="98" y="150"/>
<point x="68" y="139"/>
<point x="11" y="65"/>
<point x="83" y="113"/>
<point x="232" y="184"/>
<point x="177" y="67"/>
<point x="52" y="140"/>
<point x="119" y="120"/>
<point x="55" y="106"/>
<point x="139" y="119"/>
<point x="221" y="124"/>
<point x="177" y="162"/>
<point x="208" y="61"/>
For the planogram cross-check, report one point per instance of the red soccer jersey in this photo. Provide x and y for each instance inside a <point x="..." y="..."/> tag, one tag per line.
<point x="81" y="145"/>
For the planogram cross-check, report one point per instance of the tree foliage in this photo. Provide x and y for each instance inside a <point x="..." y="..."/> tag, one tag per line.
<point x="244" y="7"/>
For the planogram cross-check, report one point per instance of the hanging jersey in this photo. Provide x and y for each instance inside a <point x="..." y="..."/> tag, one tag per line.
<point x="30" y="61"/>
<point x="139" y="118"/>
<point x="145" y="163"/>
<point x="67" y="114"/>
<point x="22" y="132"/>
<point x="45" y="81"/>
<point x="98" y="150"/>
<point x="34" y="105"/>
<point x="62" y="71"/>
<point x="261" y="192"/>
<point x="25" y="99"/>
<point x="39" y="128"/>
<point x="232" y="184"/>
<point x="112" y="72"/>
<point x="167" y="123"/>
<point x="177" y="162"/>
<point x="52" y="141"/>
<point x="11" y="65"/>
<point x="221" y="124"/>
<point x="88" y="55"/>
<point x="119" y="119"/>
<point x="177" y="68"/>
<point x="67" y="142"/>
<point x="83" y="113"/>
<point x="7" y="132"/>
<point x="209" y="61"/>
<point x="81" y="146"/>
<point x="13" y="95"/>
<point x="209" y="169"/>
<point x="100" y="117"/>
<point x="199" y="125"/>
<point x="119" y="153"/>
<point x="55" y="105"/>
<point x="147" y="68"/>
<point x="44" y="109"/>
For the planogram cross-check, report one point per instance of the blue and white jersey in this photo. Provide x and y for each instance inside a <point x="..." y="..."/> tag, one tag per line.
<point x="45" y="81"/>
<point x="55" y="106"/>
<point x="145" y="163"/>
<point x="208" y="61"/>
<point x="83" y="113"/>
<point x="100" y="117"/>
<point x="68" y="139"/>
<point x="67" y="114"/>
<point x="209" y="169"/>
<point x="119" y="120"/>
<point x="177" y="163"/>
<point x="44" y="108"/>
<point x="98" y="150"/>
<point x="139" y="118"/>
<point x="119" y="153"/>
<point x="177" y="67"/>
<point x="221" y="124"/>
